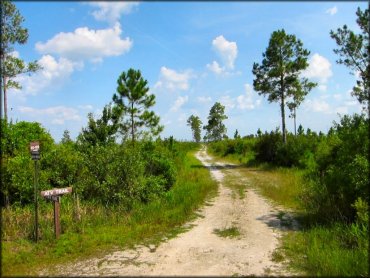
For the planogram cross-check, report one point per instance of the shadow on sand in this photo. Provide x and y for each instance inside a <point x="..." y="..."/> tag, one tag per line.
<point x="218" y="167"/>
<point x="281" y="220"/>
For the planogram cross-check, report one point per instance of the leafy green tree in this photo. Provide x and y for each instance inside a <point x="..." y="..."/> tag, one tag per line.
<point x="259" y="132"/>
<point x="16" y="138"/>
<point x="66" y="138"/>
<point x="354" y="52"/>
<point x="101" y="131"/>
<point x="300" y="91"/>
<point x="342" y="175"/>
<point x="236" y="135"/>
<point x="17" y="168"/>
<point x="12" y="32"/>
<point x="134" y="101"/>
<point x="278" y="75"/>
<point x="300" y="130"/>
<point x="195" y="124"/>
<point x="215" y="129"/>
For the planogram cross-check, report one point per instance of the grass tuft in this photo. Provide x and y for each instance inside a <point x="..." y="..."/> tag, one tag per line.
<point x="229" y="232"/>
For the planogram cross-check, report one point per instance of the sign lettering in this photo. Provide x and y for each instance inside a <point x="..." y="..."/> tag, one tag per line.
<point x="56" y="192"/>
<point x="35" y="150"/>
<point x="35" y="147"/>
<point x="54" y="195"/>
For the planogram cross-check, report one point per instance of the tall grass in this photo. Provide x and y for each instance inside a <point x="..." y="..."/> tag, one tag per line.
<point x="101" y="229"/>
<point x="282" y="185"/>
<point x="331" y="249"/>
<point x="328" y="251"/>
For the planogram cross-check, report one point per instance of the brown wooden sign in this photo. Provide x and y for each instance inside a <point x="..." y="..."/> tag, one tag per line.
<point x="54" y="195"/>
<point x="35" y="150"/>
<point x="56" y="192"/>
<point x="35" y="147"/>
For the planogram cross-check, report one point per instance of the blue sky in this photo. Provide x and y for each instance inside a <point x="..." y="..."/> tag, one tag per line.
<point x="192" y="54"/>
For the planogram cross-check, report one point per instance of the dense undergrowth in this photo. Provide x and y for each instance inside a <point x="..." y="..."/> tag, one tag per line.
<point x="123" y="195"/>
<point x="324" y="179"/>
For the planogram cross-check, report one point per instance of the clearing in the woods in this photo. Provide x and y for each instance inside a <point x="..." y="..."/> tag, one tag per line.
<point x="235" y="234"/>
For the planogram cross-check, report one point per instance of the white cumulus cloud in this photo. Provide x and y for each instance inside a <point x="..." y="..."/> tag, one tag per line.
<point x="332" y="11"/>
<point x="227" y="101"/>
<point x="204" y="99"/>
<point x="53" y="74"/>
<point x="322" y="87"/>
<point x="227" y="51"/>
<point x="317" y="105"/>
<point x="14" y="54"/>
<point x="341" y="110"/>
<point x="246" y="101"/>
<point x="173" y="80"/>
<point x="57" y="114"/>
<point x="86" y="107"/>
<point x="319" y="69"/>
<point x="111" y="11"/>
<point x="180" y="101"/>
<point x="215" y="67"/>
<point x="89" y="44"/>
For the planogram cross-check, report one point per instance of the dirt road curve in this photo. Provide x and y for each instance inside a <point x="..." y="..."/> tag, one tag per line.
<point x="201" y="251"/>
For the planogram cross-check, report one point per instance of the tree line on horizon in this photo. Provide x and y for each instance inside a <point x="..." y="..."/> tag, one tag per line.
<point x="278" y="76"/>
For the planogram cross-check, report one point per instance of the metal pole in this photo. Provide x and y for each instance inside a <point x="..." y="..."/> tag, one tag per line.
<point x="36" y="205"/>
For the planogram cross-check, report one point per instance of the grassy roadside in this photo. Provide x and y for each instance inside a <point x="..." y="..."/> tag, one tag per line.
<point x="334" y="249"/>
<point x="146" y="224"/>
<point x="283" y="186"/>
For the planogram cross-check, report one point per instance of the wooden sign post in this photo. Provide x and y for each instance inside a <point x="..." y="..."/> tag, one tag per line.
<point x="35" y="153"/>
<point x="55" y="195"/>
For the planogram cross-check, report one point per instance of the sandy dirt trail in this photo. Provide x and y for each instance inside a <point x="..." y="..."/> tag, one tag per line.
<point x="200" y="251"/>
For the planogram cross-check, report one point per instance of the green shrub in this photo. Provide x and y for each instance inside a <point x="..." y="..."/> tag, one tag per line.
<point x="64" y="164"/>
<point x="267" y="146"/>
<point x="342" y="170"/>
<point x="241" y="148"/>
<point x="17" y="167"/>
<point x="111" y="174"/>
<point x="158" y="164"/>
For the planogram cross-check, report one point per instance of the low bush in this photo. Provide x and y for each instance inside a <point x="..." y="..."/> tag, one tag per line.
<point x="342" y="172"/>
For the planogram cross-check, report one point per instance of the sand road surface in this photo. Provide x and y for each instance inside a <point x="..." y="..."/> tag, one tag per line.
<point x="200" y="250"/>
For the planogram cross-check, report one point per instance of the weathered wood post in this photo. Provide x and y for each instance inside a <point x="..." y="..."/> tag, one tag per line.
<point x="35" y="153"/>
<point x="55" y="195"/>
<point x="56" y="216"/>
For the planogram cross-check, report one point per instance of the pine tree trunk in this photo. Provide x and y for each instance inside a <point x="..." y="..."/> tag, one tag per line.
<point x="132" y="123"/>
<point x="283" y="114"/>
<point x="5" y="100"/>
<point x="282" y="88"/>
<point x="295" y="122"/>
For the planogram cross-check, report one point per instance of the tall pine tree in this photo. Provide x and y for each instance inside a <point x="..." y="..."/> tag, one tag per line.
<point x="354" y="51"/>
<point x="215" y="129"/>
<point x="133" y="98"/>
<point x="278" y="74"/>
<point x="195" y="124"/>
<point x="12" y="33"/>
